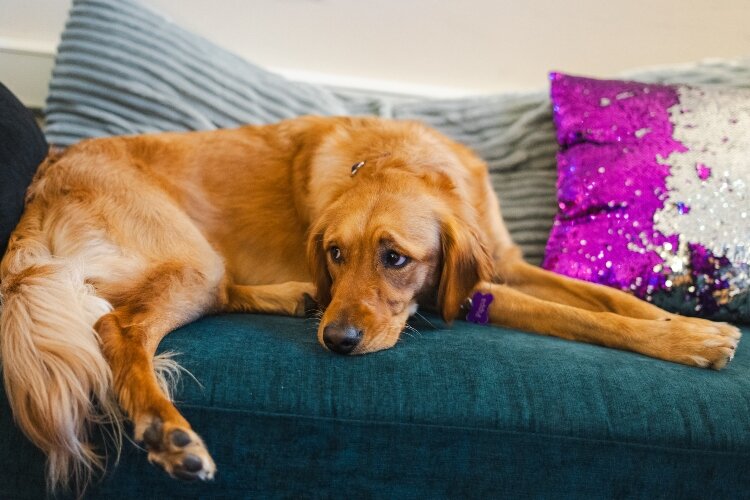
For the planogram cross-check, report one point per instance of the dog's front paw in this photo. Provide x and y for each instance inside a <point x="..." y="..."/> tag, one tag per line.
<point x="306" y="306"/>
<point x="697" y="342"/>
<point x="179" y="451"/>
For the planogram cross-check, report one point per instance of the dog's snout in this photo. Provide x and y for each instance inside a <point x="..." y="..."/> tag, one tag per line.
<point x="341" y="339"/>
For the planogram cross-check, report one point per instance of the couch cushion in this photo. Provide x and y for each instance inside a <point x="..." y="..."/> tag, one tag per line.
<point x="464" y="412"/>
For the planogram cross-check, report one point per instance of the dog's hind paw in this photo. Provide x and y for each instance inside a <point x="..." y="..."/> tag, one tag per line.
<point x="180" y="452"/>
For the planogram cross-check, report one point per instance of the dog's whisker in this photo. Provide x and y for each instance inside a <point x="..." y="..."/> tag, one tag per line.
<point x="425" y="319"/>
<point x="411" y="331"/>
<point x="316" y="314"/>
<point x="411" y="328"/>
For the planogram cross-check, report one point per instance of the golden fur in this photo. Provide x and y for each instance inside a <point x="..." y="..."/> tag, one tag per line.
<point x="125" y="239"/>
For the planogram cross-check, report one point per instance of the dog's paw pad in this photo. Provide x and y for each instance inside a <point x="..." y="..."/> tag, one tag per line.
<point x="180" y="438"/>
<point x="192" y="463"/>
<point x="190" y="469"/>
<point x="152" y="436"/>
<point x="178" y="451"/>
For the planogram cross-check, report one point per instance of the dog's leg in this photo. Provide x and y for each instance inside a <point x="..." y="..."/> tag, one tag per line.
<point x="681" y="340"/>
<point x="293" y="298"/>
<point x="169" y="296"/>
<point x="549" y="286"/>
<point x="553" y="287"/>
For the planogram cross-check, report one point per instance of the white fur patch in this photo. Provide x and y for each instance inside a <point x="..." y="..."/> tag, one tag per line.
<point x="413" y="309"/>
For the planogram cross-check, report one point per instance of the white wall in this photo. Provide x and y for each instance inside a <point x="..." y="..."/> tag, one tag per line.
<point x="431" y="46"/>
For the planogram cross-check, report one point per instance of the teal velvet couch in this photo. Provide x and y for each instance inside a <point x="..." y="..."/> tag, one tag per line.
<point x="461" y="412"/>
<point x="465" y="412"/>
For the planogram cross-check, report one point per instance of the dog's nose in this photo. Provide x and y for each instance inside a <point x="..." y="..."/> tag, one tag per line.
<point x="341" y="339"/>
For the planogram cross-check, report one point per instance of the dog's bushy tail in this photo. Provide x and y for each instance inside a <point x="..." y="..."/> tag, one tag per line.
<point x="56" y="378"/>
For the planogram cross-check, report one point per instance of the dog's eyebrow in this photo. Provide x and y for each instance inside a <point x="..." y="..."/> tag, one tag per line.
<point x="330" y="241"/>
<point x="400" y="244"/>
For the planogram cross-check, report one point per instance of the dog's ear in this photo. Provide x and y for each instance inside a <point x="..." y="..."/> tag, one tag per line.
<point x="465" y="262"/>
<point x="318" y="265"/>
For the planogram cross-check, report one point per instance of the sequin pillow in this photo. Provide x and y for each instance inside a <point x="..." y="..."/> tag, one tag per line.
<point x="654" y="192"/>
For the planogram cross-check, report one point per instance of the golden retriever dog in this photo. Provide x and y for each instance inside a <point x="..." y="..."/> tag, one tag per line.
<point x="125" y="239"/>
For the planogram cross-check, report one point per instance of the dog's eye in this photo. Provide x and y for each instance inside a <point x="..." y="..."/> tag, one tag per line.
<point x="335" y="254"/>
<point x="395" y="259"/>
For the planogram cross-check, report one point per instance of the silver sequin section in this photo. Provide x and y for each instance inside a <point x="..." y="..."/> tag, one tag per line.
<point x="708" y="191"/>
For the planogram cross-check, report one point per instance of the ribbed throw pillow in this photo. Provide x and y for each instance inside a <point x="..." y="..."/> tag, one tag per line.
<point x="124" y="69"/>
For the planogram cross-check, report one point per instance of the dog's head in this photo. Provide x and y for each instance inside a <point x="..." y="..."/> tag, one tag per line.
<point x="396" y="237"/>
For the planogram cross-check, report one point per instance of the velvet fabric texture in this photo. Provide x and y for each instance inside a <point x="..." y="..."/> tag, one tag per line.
<point x="22" y="149"/>
<point x="654" y="192"/>
<point x="466" y="412"/>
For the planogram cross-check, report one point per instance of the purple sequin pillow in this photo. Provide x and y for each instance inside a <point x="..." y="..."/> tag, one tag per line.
<point x="654" y="192"/>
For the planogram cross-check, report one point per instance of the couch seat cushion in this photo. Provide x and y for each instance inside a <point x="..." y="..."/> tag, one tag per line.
<point x="467" y="411"/>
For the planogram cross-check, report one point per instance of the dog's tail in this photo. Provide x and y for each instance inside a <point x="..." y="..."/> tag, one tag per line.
<point x="56" y="378"/>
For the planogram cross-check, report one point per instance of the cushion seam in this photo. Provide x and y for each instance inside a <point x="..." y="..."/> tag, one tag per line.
<point x="458" y="427"/>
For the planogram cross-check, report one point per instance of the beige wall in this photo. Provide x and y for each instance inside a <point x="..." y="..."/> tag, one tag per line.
<point x="438" y="47"/>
